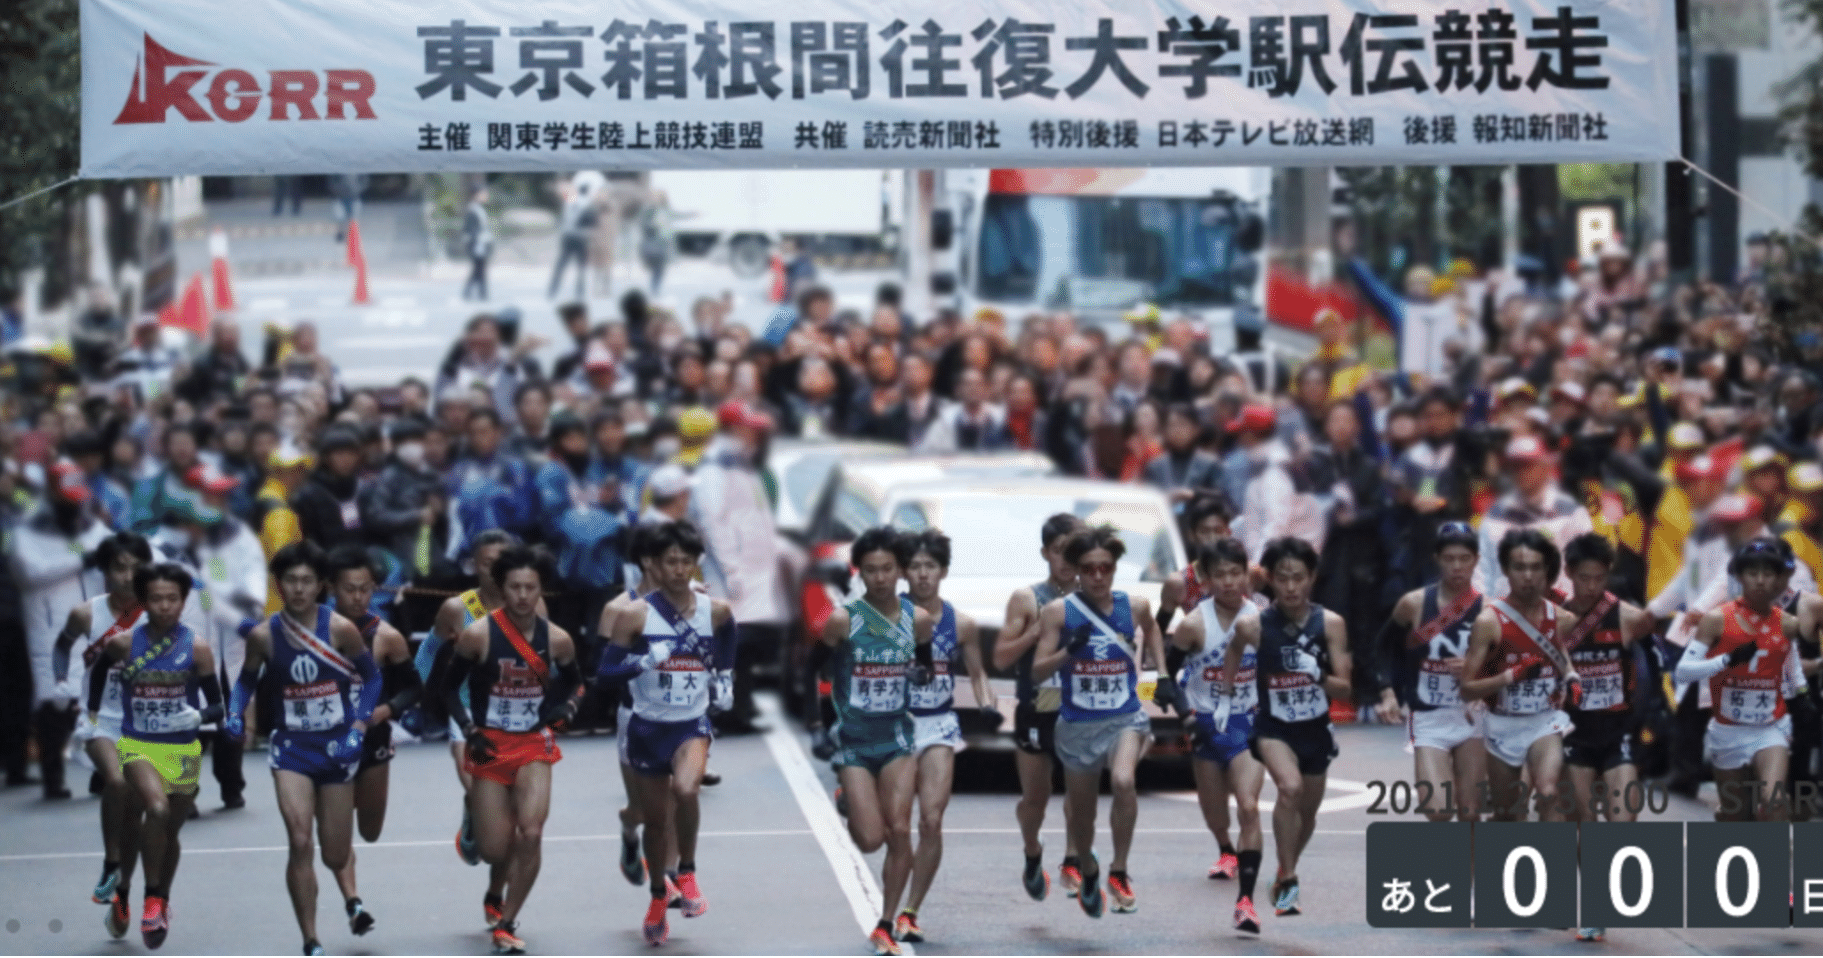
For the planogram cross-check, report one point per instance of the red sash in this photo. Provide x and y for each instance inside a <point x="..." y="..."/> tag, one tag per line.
<point x="1446" y="618"/>
<point x="1587" y="623"/>
<point x="122" y="624"/>
<point x="521" y="646"/>
<point x="307" y="640"/>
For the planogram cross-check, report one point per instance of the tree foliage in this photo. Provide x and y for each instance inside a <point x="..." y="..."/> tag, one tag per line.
<point x="1794" y="282"/>
<point x="40" y="137"/>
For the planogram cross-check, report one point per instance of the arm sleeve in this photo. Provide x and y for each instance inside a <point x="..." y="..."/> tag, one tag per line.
<point x="242" y="693"/>
<point x="563" y="685"/>
<point x="723" y="645"/>
<point x="372" y="688"/>
<point x="212" y="698"/>
<point x="1697" y="665"/>
<point x="98" y="680"/>
<point x="453" y="679"/>
<point x="617" y="664"/>
<point x="1387" y="649"/>
<point x="1174" y="659"/>
<point x="402" y="680"/>
<point x="1793" y="683"/>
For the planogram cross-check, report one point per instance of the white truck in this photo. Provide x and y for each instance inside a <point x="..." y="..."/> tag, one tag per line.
<point x="1098" y="242"/>
<point x="743" y="214"/>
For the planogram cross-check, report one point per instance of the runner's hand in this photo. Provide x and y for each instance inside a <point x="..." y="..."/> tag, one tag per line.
<point x="558" y="714"/>
<point x="234" y="725"/>
<point x="1388" y="709"/>
<point x="1572" y="693"/>
<point x="821" y="745"/>
<point x="186" y="719"/>
<point x="1743" y="654"/>
<point x="919" y="674"/>
<point x="1528" y="667"/>
<point x="348" y="747"/>
<point x="722" y="697"/>
<point x="656" y="655"/>
<point x="990" y="716"/>
<point x="1166" y="695"/>
<point x="1079" y="640"/>
<point x="1223" y="704"/>
<point x="480" y="747"/>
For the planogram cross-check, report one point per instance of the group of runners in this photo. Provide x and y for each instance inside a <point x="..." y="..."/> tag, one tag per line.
<point x="1509" y="702"/>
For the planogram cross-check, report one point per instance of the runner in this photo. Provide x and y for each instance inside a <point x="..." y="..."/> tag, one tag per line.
<point x="1744" y="650"/>
<point x="936" y="728"/>
<point x="521" y="675"/>
<point x="632" y="864"/>
<point x="1604" y="649"/>
<point x="874" y="642"/>
<point x="324" y="687"/>
<point x="352" y="580"/>
<point x="1514" y="656"/>
<point x="1035" y="715"/>
<point x="160" y="754"/>
<point x="1221" y="762"/>
<point x="95" y="622"/>
<point x="1303" y="661"/>
<point x="1207" y="520"/>
<point x="1094" y="638"/>
<point x="1423" y="645"/>
<point x="685" y="645"/>
<point x="432" y="660"/>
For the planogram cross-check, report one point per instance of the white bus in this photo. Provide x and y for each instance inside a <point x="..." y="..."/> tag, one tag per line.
<point x="1098" y="242"/>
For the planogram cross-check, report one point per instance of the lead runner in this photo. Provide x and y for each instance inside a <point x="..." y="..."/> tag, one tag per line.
<point x="522" y="677"/>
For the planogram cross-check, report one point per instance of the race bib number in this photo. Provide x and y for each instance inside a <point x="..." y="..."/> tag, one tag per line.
<point x="681" y="683"/>
<point x="110" y="693"/>
<point x="514" y="708"/>
<point x="939" y="693"/>
<point x="1296" y="697"/>
<point x="1748" y="706"/>
<point x="314" y="708"/>
<point x="1602" y="686"/>
<point x="156" y="707"/>
<point x="1099" y="686"/>
<point x="877" y="688"/>
<point x="1527" y="697"/>
<point x="1438" y="687"/>
<point x="1246" y="692"/>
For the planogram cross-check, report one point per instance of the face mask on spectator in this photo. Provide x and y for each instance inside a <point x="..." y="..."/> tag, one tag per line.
<point x="412" y="454"/>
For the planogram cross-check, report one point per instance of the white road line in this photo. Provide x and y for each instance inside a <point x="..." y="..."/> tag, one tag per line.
<point x="548" y="839"/>
<point x="853" y="874"/>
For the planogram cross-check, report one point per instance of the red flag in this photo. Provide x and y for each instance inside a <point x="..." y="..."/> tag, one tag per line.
<point x="191" y="311"/>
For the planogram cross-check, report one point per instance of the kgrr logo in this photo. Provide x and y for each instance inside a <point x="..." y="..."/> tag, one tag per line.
<point x="160" y="84"/>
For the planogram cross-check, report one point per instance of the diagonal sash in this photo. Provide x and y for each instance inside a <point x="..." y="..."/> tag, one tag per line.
<point x="681" y="626"/>
<point x="308" y="641"/>
<point x="1076" y="601"/>
<point x="122" y="624"/>
<point x="1445" y="619"/>
<point x="532" y="659"/>
<point x="1547" y="649"/>
<point x="1587" y="623"/>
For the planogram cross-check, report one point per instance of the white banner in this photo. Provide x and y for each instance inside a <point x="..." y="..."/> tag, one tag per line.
<point x="174" y="87"/>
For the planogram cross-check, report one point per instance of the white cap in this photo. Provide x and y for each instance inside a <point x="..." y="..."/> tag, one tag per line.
<point x="668" y="481"/>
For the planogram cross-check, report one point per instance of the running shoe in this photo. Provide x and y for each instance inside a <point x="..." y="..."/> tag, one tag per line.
<point x="1070" y="874"/>
<point x="1226" y="867"/>
<point x="1285" y="898"/>
<point x="906" y="928"/>
<point x="118" y="917"/>
<point x="841" y="802"/>
<point x="882" y="940"/>
<point x="711" y="779"/>
<point x="657" y="926"/>
<point x="1245" y="918"/>
<point x="1120" y="889"/>
<point x="1090" y="899"/>
<point x="1037" y="881"/>
<point x="313" y="948"/>
<point x="691" y="898"/>
<point x="1592" y="934"/>
<point x="674" y="896"/>
<point x="490" y="910"/>
<point x="466" y="847"/>
<point x="156" y="922"/>
<point x="507" y="940"/>
<point x="632" y="867"/>
<point x="104" y="889"/>
<point x="360" y="920"/>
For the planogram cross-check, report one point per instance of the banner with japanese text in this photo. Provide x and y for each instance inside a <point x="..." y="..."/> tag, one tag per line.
<point x="183" y="87"/>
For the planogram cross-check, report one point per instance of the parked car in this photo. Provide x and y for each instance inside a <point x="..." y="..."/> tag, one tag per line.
<point x="993" y="529"/>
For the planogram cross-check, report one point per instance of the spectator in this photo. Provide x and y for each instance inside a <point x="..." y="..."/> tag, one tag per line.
<point x="878" y="411"/>
<point x="970" y="424"/>
<point x="1268" y="501"/>
<point x="155" y="496"/>
<point x="233" y="576"/>
<point x="147" y="364"/>
<point x="1536" y="501"/>
<point x="221" y="370"/>
<point x="1353" y="562"/>
<point x="582" y="513"/>
<point x="531" y="436"/>
<point x="401" y="509"/>
<point x="489" y="488"/>
<point x="481" y="364"/>
<point x="575" y="319"/>
<point x="478" y="243"/>
<point x="813" y="410"/>
<point x="86" y="449"/>
<point x="273" y="517"/>
<point x="729" y="503"/>
<point x="1182" y="470"/>
<point x="327" y="504"/>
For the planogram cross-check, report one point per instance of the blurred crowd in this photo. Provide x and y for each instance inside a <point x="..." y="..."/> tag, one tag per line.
<point x="1658" y="414"/>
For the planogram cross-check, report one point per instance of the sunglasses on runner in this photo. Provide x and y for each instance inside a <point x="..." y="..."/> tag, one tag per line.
<point x="1095" y="568"/>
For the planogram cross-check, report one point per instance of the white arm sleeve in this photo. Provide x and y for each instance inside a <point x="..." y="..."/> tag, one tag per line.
<point x="1794" y="674"/>
<point x="1696" y="665"/>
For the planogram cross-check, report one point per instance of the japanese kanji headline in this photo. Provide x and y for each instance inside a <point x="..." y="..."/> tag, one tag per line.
<point x="179" y="87"/>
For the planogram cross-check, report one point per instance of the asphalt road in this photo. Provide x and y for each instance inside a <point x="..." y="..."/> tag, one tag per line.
<point x="774" y="862"/>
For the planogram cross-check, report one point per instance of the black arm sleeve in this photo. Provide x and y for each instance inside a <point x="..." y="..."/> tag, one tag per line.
<point x="1388" y="650"/>
<point x="402" y="680"/>
<point x="560" y="690"/>
<point x="1164" y="617"/>
<point x="212" y="698"/>
<point x="813" y="705"/>
<point x="922" y="654"/>
<point x="1174" y="659"/>
<point x="453" y="678"/>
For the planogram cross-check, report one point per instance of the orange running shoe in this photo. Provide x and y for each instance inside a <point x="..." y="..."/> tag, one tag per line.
<point x="884" y="946"/>
<point x="1069" y="874"/>
<point x="1120" y="891"/>
<point x="506" y="939"/>
<point x="156" y="922"/>
<point x="693" y="902"/>
<point x="118" y="917"/>
<point x="1245" y="918"/>
<point x="657" y="926"/>
<point x="1225" y="867"/>
<point x="906" y="928"/>
<point x="490" y="910"/>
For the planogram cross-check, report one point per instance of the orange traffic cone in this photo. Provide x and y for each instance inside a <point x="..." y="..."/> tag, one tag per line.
<point x="357" y="257"/>
<point x="190" y="311"/>
<point x="218" y="269"/>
